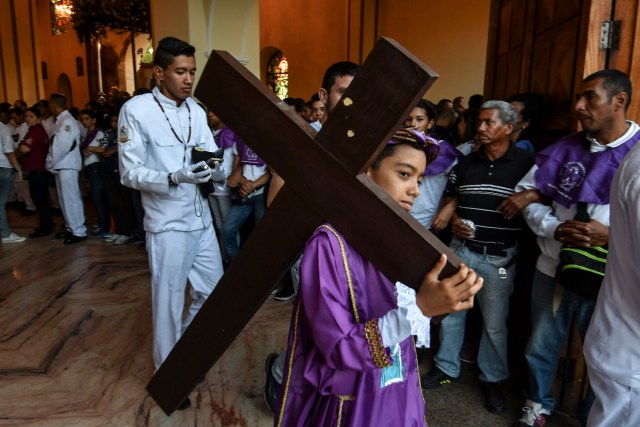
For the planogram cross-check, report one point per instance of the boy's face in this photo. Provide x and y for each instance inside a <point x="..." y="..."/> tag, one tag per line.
<point x="400" y="174"/>
<point x="87" y="121"/>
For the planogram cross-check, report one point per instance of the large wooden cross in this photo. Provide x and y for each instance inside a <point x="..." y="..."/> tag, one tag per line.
<point x="324" y="181"/>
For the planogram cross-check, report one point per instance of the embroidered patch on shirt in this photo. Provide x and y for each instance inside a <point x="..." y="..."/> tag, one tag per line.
<point x="394" y="373"/>
<point x="123" y="134"/>
<point x="67" y="128"/>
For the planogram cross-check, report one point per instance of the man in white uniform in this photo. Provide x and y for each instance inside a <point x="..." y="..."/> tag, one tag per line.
<point x="157" y="132"/>
<point x="612" y="344"/>
<point x="64" y="161"/>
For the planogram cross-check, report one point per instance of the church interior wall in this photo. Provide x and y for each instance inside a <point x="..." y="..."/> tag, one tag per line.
<point x="60" y="53"/>
<point x="19" y="69"/>
<point x="450" y="37"/>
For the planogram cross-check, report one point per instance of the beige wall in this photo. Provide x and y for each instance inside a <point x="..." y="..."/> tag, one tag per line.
<point x="312" y="36"/>
<point x="231" y="25"/>
<point x="60" y="52"/>
<point x="20" y="64"/>
<point x="449" y="36"/>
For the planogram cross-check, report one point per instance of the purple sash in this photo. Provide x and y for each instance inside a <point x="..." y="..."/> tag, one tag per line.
<point x="446" y="156"/>
<point x="247" y="155"/>
<point x="569" y="173"/>
<point x="226" y="138"/>
<point x="89" y="138"/>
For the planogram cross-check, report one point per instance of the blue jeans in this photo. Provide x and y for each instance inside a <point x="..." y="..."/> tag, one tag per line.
<point x="98" y="195"/>
<point x="6" y="187"/>
<point x="235" y="219"/>
<point x="549" y="332"/>
<point x="493" y="300"/>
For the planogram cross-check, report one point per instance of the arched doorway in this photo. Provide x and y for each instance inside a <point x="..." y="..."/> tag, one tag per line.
<point x="110" y="72"/>
<point x="64" y="87"/>
<point x="278" y="75"/>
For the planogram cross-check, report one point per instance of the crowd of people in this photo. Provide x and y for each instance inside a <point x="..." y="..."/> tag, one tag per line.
<point x="474" y="175"/>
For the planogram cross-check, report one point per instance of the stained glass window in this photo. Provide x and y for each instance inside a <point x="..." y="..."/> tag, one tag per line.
<point x="278" y="75"/>
<point x="61" y="14"/>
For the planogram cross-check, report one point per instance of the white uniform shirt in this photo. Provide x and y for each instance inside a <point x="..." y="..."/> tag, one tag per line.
<point x="93" y="157"/>
<point x="252" y="172"/>
<point x="148" y="151"/>
<point x="544" y="220"/>
<point x="19" y="133"/>
<point x="49" y="125"/>
<point x="612" y="344"/>
<point x="64" y="152"/>
<point x="6" y="145"/>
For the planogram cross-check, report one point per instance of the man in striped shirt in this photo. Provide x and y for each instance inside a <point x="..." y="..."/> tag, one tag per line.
<point x="485" y="238"/>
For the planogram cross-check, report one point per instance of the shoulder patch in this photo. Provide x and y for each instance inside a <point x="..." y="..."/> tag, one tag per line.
<point x="123" y="134"/>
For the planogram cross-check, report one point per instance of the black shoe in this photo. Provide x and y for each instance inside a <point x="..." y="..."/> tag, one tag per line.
<point x="134" y="240"/>
<point x="184" y="405"/>
<point x="63" y="234"/>
<point x="73" y="239"/>
<point x="40" y="233"/>
<point x="271" y="386"/>
<point x="435" y="378"/>
<point x="494" y="399"/>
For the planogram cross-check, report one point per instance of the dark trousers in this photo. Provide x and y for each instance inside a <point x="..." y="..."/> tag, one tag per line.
<point x="98" y="196"/>
<point x="120" y="204"/>
<point x="39" y="191"/>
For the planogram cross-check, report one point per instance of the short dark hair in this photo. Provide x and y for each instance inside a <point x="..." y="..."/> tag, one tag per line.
<point x="614" y="82"/>
<point x="339" y="69"/>
<point x="475" y="101"/>
<point x="59" y="99"/>
<point x="89" y="112"/>
<point x="168" y="49"/>
<point x="35" y="110"/>
<point x="429" y="108"/>
<point x="17" y="110"/>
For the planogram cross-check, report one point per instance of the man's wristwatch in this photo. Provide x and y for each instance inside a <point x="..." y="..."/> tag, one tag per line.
<point x="171" y="183"/>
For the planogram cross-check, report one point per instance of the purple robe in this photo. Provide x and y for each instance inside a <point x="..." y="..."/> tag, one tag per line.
<point x="226" y="138"/>
<point x="332" y="370"/>
<point x="569" y="173"/>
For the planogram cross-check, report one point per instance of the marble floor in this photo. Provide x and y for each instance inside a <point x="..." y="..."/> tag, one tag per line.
<point x="75" y="347"/>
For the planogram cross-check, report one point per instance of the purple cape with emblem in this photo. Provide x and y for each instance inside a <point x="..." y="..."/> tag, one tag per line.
<point x="330" y="376"/>
<point x="569" y="173"/>
<point x="446" y="156"/>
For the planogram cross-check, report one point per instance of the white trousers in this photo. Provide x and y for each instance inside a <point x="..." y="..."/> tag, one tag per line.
<point x="174" y="257"/>
<point x="70" y="200"/>
<point x="616" y="405"/>
<point x="23" y="195"/>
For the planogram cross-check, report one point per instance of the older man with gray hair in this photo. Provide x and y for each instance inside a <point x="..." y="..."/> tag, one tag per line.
<point x="485" y="238"/>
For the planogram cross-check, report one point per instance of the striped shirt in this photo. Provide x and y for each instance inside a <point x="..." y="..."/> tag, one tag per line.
<point x="480" y="185"/>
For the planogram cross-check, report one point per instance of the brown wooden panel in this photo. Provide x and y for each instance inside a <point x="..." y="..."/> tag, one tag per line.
<point x="562" y="59"/>
<point x="540" y="64"/>
<point x="505" y="27"/>
<point x="629" y="45"/>
<point x="544" y="15"/>
<point x="566" y="10"/>
<point x="518" y="14"/>
<point x="514" y="72"/>
<point x="500" y="84"/>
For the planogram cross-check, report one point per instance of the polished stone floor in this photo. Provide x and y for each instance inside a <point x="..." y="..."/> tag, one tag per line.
<point x="75" y="347"/>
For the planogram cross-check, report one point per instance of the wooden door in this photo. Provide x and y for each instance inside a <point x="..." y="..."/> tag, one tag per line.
<point x="548" y="47"/>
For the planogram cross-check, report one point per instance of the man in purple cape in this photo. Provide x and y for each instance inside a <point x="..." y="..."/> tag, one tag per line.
<point x="578" y="169"/>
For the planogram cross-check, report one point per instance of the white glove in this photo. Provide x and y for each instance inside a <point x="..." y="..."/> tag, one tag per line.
<point x="394" y="326"/>
<point x="217" y="172"/>
<point x="187" y="175"/>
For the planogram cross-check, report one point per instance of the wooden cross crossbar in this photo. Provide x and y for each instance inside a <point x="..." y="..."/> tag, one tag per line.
<point x="324" y="182"/>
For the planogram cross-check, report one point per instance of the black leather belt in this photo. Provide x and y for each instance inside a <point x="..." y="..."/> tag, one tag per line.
<point x="485" y="250"/>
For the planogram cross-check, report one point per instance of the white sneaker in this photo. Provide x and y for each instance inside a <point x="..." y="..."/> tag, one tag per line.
<point x="121" y="240"/>
<point x="112" y="238"/>
<point x="13" y="238"/>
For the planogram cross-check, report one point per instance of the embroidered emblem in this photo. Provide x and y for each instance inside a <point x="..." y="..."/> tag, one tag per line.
<point x="572" y="175"/>
<point x="67" y="128"/>
<point x="394" y="373"/>
<point x="198" y="148"/>
<point x="123" y="134"/>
